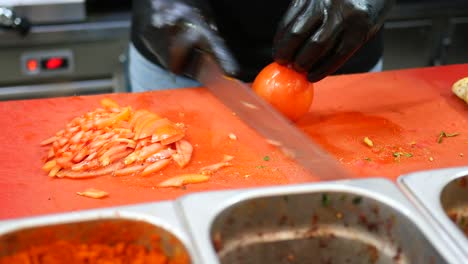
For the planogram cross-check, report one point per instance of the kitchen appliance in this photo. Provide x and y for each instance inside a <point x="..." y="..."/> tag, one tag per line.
<point x="70" y="47"/>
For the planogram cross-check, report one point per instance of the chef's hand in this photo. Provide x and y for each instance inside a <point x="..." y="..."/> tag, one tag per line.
<point x="173" y="29"/>
<point x="319" y="36"/>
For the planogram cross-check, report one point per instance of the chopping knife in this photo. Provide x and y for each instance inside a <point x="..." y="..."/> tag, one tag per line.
<point x="263" y="118"/>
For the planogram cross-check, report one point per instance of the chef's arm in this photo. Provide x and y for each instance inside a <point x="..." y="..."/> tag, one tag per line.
<point x="170" y="30"/>
<point x="319" y="36"/>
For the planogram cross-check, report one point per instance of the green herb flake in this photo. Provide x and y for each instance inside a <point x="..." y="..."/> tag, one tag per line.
<point x="357" y="200"/>
<point x="368" y="159"/>
<point x="441" y="135"/>
<point x="398" y="155"/>
<point x="325" y="200"/>
<point x="266" y="158"/>
<point x="444" y="134"/>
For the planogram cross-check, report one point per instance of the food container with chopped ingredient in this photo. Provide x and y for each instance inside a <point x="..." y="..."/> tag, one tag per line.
<point x="442" y="196"/>
<point x="145" y="233"/>
<point x="350" y="221"/>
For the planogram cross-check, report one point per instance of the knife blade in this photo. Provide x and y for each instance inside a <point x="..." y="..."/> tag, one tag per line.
<point x="267" y="121"/>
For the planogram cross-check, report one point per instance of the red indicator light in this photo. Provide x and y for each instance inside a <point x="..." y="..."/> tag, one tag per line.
<point x="32" y="65"/>
<point x="54" y="63"/>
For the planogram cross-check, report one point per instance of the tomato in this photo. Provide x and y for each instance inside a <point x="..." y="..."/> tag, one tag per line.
<point x="285" y="89"/>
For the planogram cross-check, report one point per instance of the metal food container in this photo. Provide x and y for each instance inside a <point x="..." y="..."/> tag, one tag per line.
<point x="442" y="196"/>
<point x="352" y="221"/>
<point x="135" y="225"/>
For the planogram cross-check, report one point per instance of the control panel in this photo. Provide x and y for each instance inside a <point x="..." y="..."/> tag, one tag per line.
<point x="47" y="63"/>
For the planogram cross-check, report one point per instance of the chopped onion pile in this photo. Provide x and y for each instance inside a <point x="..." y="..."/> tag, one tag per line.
<point x="115" y="140"/>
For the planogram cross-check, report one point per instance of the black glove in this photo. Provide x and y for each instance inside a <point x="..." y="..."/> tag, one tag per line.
<point x="171" y="29"/>
<point x="319" y="36"/>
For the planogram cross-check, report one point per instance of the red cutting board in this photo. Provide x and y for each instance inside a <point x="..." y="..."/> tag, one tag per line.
<point x="401" y="111"/>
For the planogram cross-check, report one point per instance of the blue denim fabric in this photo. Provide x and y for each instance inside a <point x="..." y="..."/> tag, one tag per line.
<point x="143" y="75"/>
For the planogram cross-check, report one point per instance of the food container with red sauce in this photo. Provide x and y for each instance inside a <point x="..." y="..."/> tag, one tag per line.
<point x="442" y="197"/>
<point x="350" y="221"/>
<point x="152" y="232"/>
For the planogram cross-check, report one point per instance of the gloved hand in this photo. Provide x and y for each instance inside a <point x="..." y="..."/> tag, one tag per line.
<point x="319" y="36"/>
<point x="172" y="29"/>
